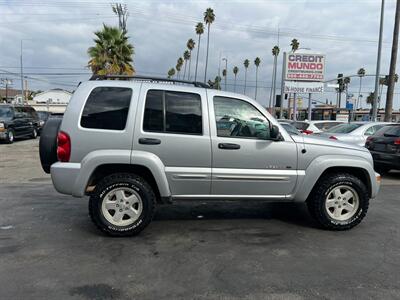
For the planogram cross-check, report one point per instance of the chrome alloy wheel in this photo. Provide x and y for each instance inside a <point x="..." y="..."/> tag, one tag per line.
<point x="122" y="206"/>
<point x="342" y="203"/>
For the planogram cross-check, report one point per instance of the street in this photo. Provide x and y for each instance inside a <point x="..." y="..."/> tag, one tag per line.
<point x="226" y="250"/>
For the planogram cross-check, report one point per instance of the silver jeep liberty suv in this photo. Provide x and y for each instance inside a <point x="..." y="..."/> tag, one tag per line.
<point x="133" y="143"/>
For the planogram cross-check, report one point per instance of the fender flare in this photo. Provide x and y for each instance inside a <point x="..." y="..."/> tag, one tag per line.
<point x="318" y="166"/>
<point x="124" y="157"/>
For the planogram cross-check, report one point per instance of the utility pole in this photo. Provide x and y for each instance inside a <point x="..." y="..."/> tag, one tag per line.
<point x="378" y="65"/>
<point x="309" y="107"/>
<point x="294" y="107"/>
<point x="22" y="78"/>
<point x="122" y="12"/>
<point x="283" y="86"/>
<point x="392" y="70"/>
<point x="6" y="82"/>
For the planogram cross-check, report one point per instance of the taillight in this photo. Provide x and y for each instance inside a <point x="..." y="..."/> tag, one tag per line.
<point x="397" y="141"/>
<point x="63" y="146"/>
<point x="332" y="137"/>
<point x="306" y="131"/>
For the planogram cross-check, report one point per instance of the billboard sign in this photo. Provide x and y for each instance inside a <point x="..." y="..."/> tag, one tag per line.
<point x="300" y="87"/>
<point x="305" y="67"/>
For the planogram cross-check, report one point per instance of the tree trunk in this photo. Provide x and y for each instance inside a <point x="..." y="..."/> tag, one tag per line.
<point x="184" y="70"/>
<point x="392" y="70"/>
<point x="190" y="63"/>
<point x="234" y="86"/>
<point x="255" y="94"/>
<point x="245" y="81"/>
<point x="197" y="59"/>
<point x="208" y="45"/>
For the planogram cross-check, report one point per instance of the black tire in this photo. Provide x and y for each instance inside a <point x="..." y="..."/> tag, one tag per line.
<point x="34" y="133"/>
<point x="10" y="136"/>
<point x="48" y="144"/>
<point x="126" y="180"/>
<point x="317" y="199"/>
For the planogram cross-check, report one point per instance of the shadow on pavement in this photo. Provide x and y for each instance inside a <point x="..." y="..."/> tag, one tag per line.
<point x="292" y="213"/>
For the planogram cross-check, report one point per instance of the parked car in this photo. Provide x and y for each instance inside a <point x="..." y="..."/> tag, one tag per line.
<point x="354" y="132"/>
<point x="17" y="121"/>
<point x="310" y="127"/>
<point x="43" y="117"/>
<point x="384" y="146"/>
<point x="131" y="145"/>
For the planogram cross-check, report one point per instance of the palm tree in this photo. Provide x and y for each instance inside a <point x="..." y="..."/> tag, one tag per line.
<point x="275" y="53"/>
<point x="186" y="57"/>
<point x="209" y="17"/>
<point x="295" y="45"/>
<point x="361" y="74"/>
<point x="190" y="45"/>
<point x="171" y="73"/>
<point x="224" y="75"/>
<point x="235" y="71"/>
<point x="112" y="53"/>
<point x="246" y="64"/>
<point x="370" y="98"/>
<point x="257" y="62"/>
<point x="199" y="32"/>
<point x="179" y="64"/>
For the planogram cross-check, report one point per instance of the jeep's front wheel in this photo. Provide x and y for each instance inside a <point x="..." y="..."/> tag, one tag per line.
<point x="339" y="201"/>
<point x="122" y="204"/>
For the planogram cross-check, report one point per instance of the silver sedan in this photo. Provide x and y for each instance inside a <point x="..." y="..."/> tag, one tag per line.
<point x="354" y="132"/>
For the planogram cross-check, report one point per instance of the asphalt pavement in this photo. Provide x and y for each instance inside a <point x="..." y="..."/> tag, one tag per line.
<point x="49" y="249"/>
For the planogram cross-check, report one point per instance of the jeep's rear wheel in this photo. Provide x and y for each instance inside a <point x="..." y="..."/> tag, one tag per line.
<point x="122" y="204"/>
<point x="339" y="201"/>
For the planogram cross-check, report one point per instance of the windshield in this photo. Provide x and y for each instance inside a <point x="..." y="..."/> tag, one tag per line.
<point x="290" y="129"/>
<point x="301" y="125"/>
<point x="344" y="128"/>
<point x="6" y="112"/>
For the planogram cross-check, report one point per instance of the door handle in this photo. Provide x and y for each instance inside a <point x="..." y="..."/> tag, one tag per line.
<point x="149" y="141"/>
<point x="228" y="146"/>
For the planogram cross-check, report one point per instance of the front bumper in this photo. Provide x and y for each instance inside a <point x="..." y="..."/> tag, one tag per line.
<point x="3" y="134"/>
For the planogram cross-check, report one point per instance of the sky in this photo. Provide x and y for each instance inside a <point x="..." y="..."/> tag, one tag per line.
<point x="56" y="35"/>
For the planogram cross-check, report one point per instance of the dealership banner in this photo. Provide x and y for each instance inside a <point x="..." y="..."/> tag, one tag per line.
<point x="305" y="67"/>
<point x="303" y="87"/>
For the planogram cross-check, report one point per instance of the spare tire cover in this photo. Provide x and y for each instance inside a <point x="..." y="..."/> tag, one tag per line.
<point x="48" y="143"/>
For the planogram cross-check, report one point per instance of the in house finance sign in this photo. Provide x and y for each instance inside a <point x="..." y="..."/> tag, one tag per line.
<point x="305" y="67"/>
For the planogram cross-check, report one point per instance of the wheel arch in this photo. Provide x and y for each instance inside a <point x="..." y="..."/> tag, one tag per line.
<point x="104" y="170"/>
<point x="322" y="166"/>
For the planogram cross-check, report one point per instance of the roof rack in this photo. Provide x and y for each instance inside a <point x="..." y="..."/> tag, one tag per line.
<point x="149" y="78"/>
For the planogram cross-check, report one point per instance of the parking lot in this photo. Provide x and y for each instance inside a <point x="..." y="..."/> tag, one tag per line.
<point x="226" y="250"/>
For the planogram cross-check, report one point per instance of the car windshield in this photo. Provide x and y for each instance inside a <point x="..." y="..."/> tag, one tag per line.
<point x="290" y="129"/>
<point x="344" y="128"/>
<point x="301" y="125"/>
<point x="43" y="115"/>
<point x="6" y="112"/>
<point x="392" y="130"/>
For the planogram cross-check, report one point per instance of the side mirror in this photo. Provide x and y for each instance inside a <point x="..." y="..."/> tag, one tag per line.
<point x="275" y="134"/>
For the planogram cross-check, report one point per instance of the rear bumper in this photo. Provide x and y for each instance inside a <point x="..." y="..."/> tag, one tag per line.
<point x="65" y="178"/>
<point x="384" y="159"/>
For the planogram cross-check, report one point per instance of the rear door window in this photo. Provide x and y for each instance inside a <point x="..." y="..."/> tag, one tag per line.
<point x="173" y="112"/>
<point x="107" y="108"/>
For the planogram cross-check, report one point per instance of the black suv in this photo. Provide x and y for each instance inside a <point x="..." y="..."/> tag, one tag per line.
<point x="17" y="121"/>
<point x="384" y="146"/>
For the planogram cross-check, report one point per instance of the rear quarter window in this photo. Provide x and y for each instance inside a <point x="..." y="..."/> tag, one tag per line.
<point x="107" y="108"/>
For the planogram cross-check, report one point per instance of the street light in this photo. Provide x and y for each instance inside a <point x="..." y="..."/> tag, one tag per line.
<point x="22" y="74"/>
